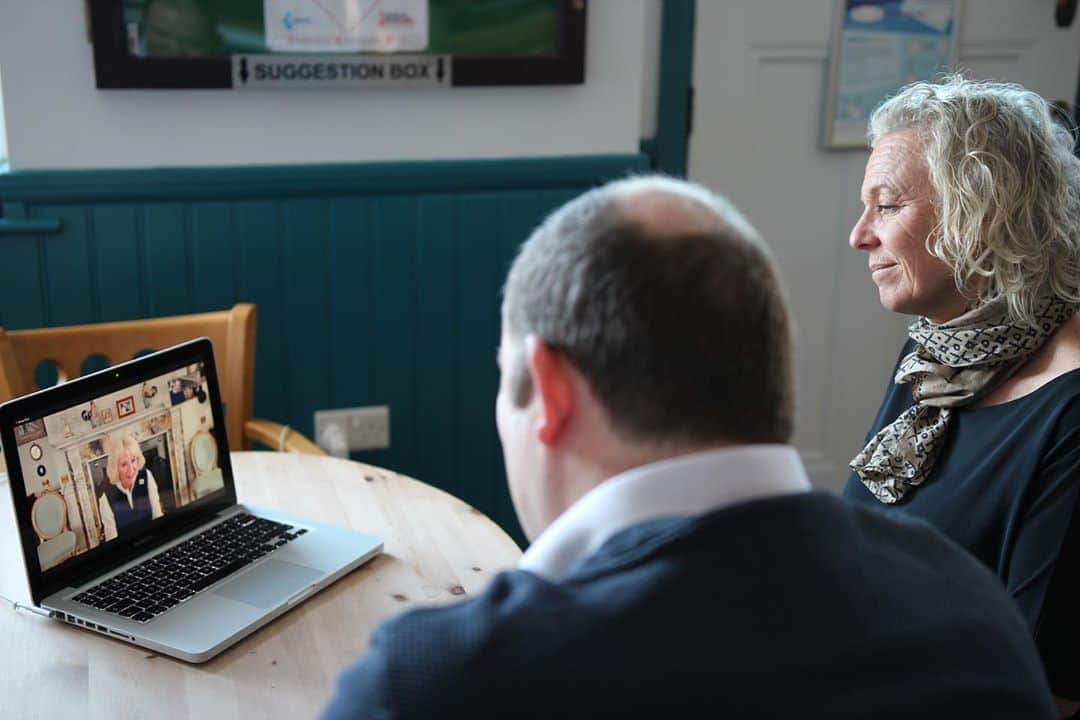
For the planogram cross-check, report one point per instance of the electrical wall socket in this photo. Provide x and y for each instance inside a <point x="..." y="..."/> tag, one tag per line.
<point x="360" y="428"/>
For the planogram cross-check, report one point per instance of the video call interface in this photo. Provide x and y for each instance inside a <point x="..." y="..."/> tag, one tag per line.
<point x="110" y="467"/>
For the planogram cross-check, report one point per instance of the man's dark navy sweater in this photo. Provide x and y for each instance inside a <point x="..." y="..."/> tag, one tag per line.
<point x="796" y="606"/>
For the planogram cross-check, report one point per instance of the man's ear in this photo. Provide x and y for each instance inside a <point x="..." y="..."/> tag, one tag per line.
<point x="551" y="381"/>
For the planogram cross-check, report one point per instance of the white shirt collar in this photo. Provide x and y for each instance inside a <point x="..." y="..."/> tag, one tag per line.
<point x="682" y="486"/>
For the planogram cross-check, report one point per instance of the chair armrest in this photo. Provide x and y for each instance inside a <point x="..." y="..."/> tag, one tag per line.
<point x="280" y="437"/>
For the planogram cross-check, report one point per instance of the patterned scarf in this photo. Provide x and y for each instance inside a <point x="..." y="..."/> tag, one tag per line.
<point x="953" y="365"/>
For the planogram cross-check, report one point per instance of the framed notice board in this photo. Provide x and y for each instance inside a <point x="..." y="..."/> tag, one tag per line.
<point x="878" y="46"/>
<point x="260" y="44"/>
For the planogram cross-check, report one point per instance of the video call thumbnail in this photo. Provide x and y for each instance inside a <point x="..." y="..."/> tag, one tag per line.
<point x="104" y="468"/>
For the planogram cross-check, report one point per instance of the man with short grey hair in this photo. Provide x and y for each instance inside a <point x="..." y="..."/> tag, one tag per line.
<point x="680" y="563"/>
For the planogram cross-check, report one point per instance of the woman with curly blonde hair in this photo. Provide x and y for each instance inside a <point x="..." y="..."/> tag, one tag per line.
<point x="972" y="224"/>
<point x="131" y="496"/>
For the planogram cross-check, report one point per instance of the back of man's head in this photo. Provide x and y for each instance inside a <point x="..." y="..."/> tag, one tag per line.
<point x="667" y="302"/>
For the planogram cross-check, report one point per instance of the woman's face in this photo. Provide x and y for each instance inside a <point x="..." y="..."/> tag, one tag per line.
<point x="127" y="467"/>
<point x="898" y="218"/>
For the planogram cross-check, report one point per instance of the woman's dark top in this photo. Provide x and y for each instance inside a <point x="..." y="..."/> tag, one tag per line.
<point x="141" y="511"/>
<point x="1005" y="486"/>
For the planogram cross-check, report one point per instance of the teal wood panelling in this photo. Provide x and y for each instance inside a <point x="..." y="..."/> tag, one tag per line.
<point x="259" y="280"/>
<point x="352" y="310"/>
<point x="394" y="324"/>
<point x="167" y="270"/>
<point x="437" y="393"/>
<point x="289" y="181"/>
<point x="22" y="292"/>
<point x="368" y="292"/>
<point x="211" y="256"/>
<point x="71" y="291"/>
<point x="304" y="238"/>
<point x="117" y="254"/>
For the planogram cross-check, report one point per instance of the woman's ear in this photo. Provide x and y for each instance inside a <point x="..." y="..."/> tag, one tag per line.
<point x="550" y="373"/>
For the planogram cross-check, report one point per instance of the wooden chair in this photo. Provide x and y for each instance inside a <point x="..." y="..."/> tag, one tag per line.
<point x="231" y="331"/>
<point x="48" y="514"/>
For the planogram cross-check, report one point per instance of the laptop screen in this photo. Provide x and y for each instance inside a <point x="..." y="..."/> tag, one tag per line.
<point x="113" y="462"/>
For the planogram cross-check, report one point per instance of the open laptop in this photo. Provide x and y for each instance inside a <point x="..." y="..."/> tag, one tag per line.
<point x="126" y="509"/>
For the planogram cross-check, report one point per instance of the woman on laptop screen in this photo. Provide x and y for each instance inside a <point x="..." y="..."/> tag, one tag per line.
<point x="131" y="495"/>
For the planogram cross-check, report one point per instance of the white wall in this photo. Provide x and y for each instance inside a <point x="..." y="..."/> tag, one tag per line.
<point x="759" y="72"/>
<point x="57" y="119"/>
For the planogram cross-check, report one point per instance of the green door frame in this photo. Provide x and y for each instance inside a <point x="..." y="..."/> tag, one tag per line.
<point x="667" y="149"/>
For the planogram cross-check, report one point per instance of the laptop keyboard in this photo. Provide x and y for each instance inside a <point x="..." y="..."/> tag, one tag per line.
<point x="169" y="578"/>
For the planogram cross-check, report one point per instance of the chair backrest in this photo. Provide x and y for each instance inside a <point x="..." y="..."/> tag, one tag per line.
<point x="231" y="331"/>
<point x="49" y="515"/>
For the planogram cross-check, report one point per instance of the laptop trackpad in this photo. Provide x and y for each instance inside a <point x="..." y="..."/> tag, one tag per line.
<point x="269" y="583"/>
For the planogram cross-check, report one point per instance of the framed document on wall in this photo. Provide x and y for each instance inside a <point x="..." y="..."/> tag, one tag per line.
<point x="270" y="44"/>
<point x="878" y="46"/>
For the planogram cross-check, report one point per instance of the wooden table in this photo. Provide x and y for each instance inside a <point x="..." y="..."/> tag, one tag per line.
<point x="437" y="549"/>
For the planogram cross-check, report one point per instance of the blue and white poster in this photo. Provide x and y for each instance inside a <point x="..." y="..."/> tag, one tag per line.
<point x="878" y="47"/>
<point x="372" y="26"/>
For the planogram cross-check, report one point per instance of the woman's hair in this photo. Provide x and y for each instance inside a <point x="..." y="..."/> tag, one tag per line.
<point x="1006" y="188"/>
<point x="116" y="446"/>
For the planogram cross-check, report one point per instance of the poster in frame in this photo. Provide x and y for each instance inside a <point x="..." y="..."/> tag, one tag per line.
<point x="879" y="46"/>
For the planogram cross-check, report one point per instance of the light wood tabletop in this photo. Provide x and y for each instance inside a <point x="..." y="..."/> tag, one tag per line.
<point x="437" y="549"/>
